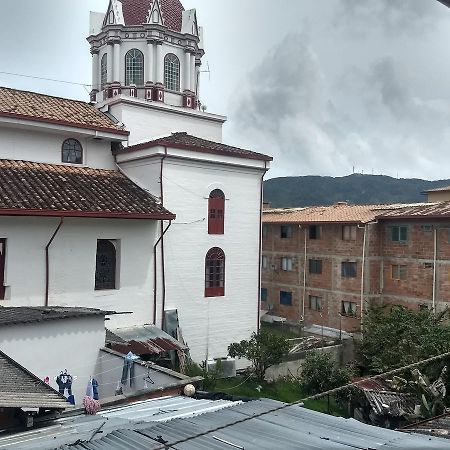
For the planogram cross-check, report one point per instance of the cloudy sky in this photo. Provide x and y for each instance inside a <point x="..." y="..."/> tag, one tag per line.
<point x="324" y="86"/>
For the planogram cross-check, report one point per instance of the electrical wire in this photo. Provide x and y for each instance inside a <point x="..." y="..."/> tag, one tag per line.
<point x="45" y="79"/>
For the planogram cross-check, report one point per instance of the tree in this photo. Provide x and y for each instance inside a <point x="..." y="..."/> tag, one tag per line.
<point x="394" y="336"/>
<point x="263" y="349"/>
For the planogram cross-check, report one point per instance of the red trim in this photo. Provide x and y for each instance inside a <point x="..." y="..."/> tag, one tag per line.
<point x="422" y="217"/>
<point x="91" y="214"/>
<point x="216" y="215"/>
<point x="2" y="268"/>
<point x="64" y="122"/>
<point x="215" y="292"/>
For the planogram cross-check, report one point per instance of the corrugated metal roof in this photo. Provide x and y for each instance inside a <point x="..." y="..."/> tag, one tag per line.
<point x="293" y="427"/>
<point x="441" y="189"/>
<point x="391" y="403"/>
<point x="426" y="211"/>
<point x="437" y="426"/>
<point x="146" y="339"/>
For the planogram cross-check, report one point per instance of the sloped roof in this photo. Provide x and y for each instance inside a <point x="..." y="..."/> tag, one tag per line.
<point x="438" y="426"/>
<point x="135" y="12"/>
<point x="56" y="110"/>
<point x="19" y="388"/>
<point x="441" y="189"/>
<point x="196" y="144"/>
<point x="438" y="210"/>
<point x="28" y="188"/>
<point x="12" y="315"/>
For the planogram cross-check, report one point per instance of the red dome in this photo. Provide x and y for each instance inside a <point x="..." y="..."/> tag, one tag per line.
<point x="135" y="12"/>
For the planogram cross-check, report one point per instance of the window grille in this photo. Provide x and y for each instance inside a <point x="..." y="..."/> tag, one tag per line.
<point x="134" y="68"/>
<point x="315" y="266"/>
<point x="348" y="269"/>
<point x="72" y="152"/>
<point x="215" y="273"/>
<point x="172" y="72"/>
<point x="105" y="268"/>
<point x="315" y="303"/>
<point x="216" y="212"/>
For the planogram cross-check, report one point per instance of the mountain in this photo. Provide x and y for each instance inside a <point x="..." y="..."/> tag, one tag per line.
<point x="356" y="188"/>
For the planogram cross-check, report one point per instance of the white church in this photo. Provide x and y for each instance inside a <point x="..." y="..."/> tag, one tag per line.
<point x="131" y="202"/>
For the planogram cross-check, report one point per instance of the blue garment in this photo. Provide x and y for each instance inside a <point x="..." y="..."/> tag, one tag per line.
<point x="71" y="399"/>
<point x="95" y="388"/>
<point x="128" y="366"/>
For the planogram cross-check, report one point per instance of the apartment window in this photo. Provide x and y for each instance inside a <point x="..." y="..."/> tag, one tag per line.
<point x="134" y="68"/>
<point x="105" y="267"/>
<point x="399" y="272"/>
<point x="315" y="303"/>
<point x="349" y="308"/>
<point x="2" y="268"/>
<point x="399" y="234"/>
<point x="172" y="72"/>
<point x="215" y="273"/>
<point x="216" y="212"/>
<point x="315" y="266"/>
<point x="286" y="231"/>
<point x="264" y="294"/>
<point x="72" y="152"/>
<point x="264" y="262"/>
<point x="349" y="232"/>
<point x="348" y="269"/>
<point x="285" y="298"/>
<point x="315" y="232"/>
<point x="286" y="264"/>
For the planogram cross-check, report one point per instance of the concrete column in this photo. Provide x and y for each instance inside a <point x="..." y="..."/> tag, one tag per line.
<point x="158" y="63"/>
<point x="193" y="72"/>
<point x="150" y="61"/>
<point x="109" y="51"/>
<point x="187" y="71"/>
<point x="95" y="70"/>
<point x="116" y="62"/>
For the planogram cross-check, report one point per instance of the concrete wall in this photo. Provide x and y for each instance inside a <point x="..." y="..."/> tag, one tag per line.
<point x="47" y="348"/>
<point x="72" y="264"/>
<point x="45" y="147"/>
<point x="439" y="196"/>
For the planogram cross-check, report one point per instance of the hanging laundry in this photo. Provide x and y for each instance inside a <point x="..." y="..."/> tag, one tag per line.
<point x="91" y="405"/>
<point x="71" y="399"/>
<point x="128" y="368"/>
<point x="64" y="381"/>
<point x="95" y="389"/>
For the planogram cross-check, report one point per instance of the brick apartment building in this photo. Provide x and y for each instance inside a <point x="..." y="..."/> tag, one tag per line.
<point x="354" y="256"/>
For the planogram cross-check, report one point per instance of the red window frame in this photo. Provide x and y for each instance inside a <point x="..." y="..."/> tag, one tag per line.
<point x="215" y="273"/>
<point x="216" y="212"/>
<point x="2" y="267"/>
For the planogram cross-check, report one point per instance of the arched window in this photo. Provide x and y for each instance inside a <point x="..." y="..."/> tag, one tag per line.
<point x="72" y="152"/>
<point x="105" y="266"/>
<point x="172" y="72"/>
<point x="215" y="273"/>
<point x="216" y="212"/>
<point x="134" y="68"/>
<point x="103" y="71"/>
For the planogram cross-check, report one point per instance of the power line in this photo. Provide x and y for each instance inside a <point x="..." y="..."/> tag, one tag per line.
<point x="301" y="402"/>
<point x="45" y="79"/>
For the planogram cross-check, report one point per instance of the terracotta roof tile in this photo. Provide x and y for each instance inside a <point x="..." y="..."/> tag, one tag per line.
<point x="28" y="188"/>
<point x="44" y="108"/>
<point x="135" y="12"/>
<point x="188" y="142"/>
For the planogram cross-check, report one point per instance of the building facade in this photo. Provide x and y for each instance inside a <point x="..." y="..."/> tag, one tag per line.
<point x="324" y="265"/>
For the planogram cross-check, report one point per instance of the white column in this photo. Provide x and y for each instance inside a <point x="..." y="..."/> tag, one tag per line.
<point x="150" y="59"/>
<point x="187" y="71"/>
<point x="158" y="63"/>
<point x="116" y="62"/>
<point x="109" y="64"/>
<point x="95" y="70"/>
<point x="193" y="72"/>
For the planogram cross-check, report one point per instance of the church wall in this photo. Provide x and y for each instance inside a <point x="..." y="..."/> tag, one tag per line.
<point x="45" y="147"/>
<point x="49" y="347"/>
<point x="72" y="258"/>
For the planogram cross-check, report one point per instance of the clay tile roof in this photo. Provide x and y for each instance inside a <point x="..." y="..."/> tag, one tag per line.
<point x="28" y="188"/>
<point x="419" y="211"/>
<point x="61" y="111"/>
<point x="135" y="12"/>
<point x="196" y="144"/>
<point x="19" y="388"/>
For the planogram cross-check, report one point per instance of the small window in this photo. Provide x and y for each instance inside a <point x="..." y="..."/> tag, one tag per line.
<point x="315" y="266"/>
<point x="155" y="16"/>
<point x="264" y="294"/>
<point x="264" y="262"/>
<point x="286" y="264"/>
<point x="72" y="152"/>
<point x="399" y="234"/>
<point x="134" y="68"/>
<point x="103" y="71"/>
<point x="285" y="298"/>
<point x="286" y="231"/>
<point x="172" y="72"/>
<point x="216" y="212"/>
<point x="215" y="273"/>
<point x="349" y="309"/>
<point x="349" y="232"/>
<point x="399" y="272"/>
<point x="315" y="303"/>
<point x="348" y="269"/>
<point x="105" y="268"/>
<point x="423" y="307"/>
<point x="2" y="267"/>
<point x="315" y="232"/>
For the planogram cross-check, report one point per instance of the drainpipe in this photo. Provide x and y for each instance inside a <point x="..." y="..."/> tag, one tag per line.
<point x="47" y="261"/>
<point x="304" y="277"/>
<point x="261" y="196"/>
<point x="433" y="304"/>
<point x="362" y="275"/>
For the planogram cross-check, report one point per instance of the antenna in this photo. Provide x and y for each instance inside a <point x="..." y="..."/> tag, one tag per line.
<point x="208" y="71"/>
